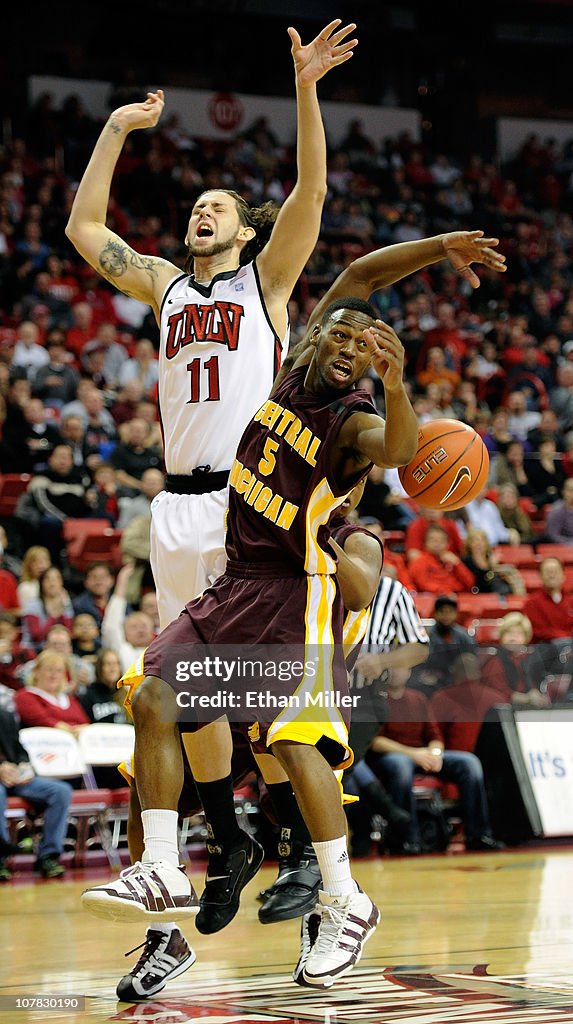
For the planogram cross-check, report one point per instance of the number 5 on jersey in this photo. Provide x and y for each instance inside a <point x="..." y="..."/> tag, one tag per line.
<point x="204" y="380"/>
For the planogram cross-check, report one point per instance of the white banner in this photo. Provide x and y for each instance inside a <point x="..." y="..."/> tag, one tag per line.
<point x="213" y="115"/>
<point x="513" y="131"/>
<point x="546" y="740"/>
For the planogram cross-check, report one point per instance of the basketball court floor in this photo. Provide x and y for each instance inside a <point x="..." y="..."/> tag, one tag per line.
<point x="463" y="939"/>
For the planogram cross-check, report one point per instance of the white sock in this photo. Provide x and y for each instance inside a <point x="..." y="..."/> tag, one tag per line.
<point x="334" y="866"/>
<point x="160" y="836"/>
<point x="168" y="927"/>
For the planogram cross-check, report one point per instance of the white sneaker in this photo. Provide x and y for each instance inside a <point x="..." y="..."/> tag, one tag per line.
<point x="308" y="934"/>
<point x="157" y="890"/>
<point x="347" y="922"/>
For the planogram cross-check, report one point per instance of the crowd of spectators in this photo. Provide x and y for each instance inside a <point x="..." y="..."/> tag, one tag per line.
<point x="79" y="371"/>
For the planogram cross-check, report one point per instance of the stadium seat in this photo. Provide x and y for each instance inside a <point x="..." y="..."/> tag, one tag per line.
<point x="563" y="552"/>
<point x="56" y="754"/>
<point x="102" y="546"/>
<point x="485" y="631"/>
<point x="531" y="580"/>
<point x="12" y="485"/>
<point x="515" y="602"/>
<point x="425" y="605"/>
<point x="74" y="531"/>
<point x="18" y="810"/>
<point x="521" y="555"/>
<point x="480" y="606"/>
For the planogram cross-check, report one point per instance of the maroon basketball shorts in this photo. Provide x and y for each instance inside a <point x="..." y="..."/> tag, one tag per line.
<point x="266" y="650"/>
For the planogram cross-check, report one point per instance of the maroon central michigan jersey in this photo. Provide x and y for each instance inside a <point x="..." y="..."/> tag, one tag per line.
<point x="282" y="493"/>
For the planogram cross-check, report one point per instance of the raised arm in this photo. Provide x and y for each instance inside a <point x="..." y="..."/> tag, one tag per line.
<point x="365" y="437"/>
<point x="296" y="230"/>
<point x="142" y="277"/>
<point x="384" y="267"/>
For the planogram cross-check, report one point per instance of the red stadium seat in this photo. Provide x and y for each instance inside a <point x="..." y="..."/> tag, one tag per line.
<point x="480" y="606"/>
<point x="531" y="580"/>
<point x="515" y="602"/>
<point x="12" y="485"/>
<point x="485" y="631"/>
<point x="520" y="555"/>
<point x="76" y="530"/>
<point x="425" y="605"/>
<point x="98" y="547"/>
<point x="563" y="552"/>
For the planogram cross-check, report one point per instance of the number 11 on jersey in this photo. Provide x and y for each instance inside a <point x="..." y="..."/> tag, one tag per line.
<point x="204" y="380"/>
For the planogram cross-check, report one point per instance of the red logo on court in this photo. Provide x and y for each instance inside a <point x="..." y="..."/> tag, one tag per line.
<point x="226" y="111"/>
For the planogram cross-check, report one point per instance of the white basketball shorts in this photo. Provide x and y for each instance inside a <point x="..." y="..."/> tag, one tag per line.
<point x="187" y="547"/>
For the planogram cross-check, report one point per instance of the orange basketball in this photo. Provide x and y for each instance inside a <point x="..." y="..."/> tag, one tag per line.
<point x="449" y="468"/>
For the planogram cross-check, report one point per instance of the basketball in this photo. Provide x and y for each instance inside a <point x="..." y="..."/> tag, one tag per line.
<point x="450" y="467"/>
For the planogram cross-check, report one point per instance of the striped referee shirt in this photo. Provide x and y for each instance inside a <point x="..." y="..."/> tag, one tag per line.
<point x="393" y="618"/>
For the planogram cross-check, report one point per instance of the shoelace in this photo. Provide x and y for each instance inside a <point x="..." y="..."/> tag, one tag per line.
<point x="150" y="958"/>
<point x="138" y="868"/>
<point x="327" y="937"/>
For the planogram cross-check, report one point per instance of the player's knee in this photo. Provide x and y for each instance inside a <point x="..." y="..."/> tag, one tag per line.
<point x="153" y="700"/>
<point x="294" y="757"/>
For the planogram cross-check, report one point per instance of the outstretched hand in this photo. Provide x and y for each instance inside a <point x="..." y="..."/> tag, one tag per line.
<point x="387" y="354"/>
<point x="465" y="247"/>
<point x="329" y="48"/>
<point x="138" y="115"/>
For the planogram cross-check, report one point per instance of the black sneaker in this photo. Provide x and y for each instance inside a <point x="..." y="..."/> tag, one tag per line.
<point x="49" y="867"/>
<point x="484" y="843"/>
<point x="295" y="891"/>
<point x="5" y="873"/>
<point x="165" y="956"/>
<point x="220" y="900"/>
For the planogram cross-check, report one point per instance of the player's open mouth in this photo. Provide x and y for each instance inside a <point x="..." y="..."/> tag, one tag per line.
<point x="204" y="231"/>
<point x="341" y="369"/>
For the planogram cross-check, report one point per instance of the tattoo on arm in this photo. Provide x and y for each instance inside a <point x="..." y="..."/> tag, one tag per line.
<point x="116" y="258"/>
<point x="115" y="127"/>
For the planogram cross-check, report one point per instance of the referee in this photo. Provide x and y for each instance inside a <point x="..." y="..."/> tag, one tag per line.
<point x="395" y="637"/>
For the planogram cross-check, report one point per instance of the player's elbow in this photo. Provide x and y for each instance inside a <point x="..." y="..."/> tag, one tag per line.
<point x="406" y="452"/>
<point x="72" y="230"/>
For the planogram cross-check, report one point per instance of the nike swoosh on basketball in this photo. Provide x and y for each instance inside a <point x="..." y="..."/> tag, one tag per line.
<point x="462" y="473"/>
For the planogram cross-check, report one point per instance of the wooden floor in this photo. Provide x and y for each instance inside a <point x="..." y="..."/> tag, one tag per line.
<point x="482" y="937"/>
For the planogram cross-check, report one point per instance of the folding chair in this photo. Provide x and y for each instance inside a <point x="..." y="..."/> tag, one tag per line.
<point x="106" y="744"/>
<point x="55" y="754"/>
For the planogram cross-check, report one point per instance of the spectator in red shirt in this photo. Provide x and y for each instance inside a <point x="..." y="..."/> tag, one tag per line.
<point x="410" y="743"/>
<point x="510" y="671"/>
<point x="46" y="701"/>
<point x="549" y="610"/>
<point x="8" y="591"/>
<point x="438" y="570"/>
<point x="416" y="532"/>
<point x="82" y="329"/>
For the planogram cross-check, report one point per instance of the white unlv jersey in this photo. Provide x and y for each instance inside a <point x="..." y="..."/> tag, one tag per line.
<point x="218" y="358"/>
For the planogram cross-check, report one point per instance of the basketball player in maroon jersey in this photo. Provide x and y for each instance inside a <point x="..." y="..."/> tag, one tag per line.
<point x="166" y="953"/>
<point x="304" y="450"/>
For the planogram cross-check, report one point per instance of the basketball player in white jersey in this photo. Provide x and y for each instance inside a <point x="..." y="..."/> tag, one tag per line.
<point x="223" y="332"/>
